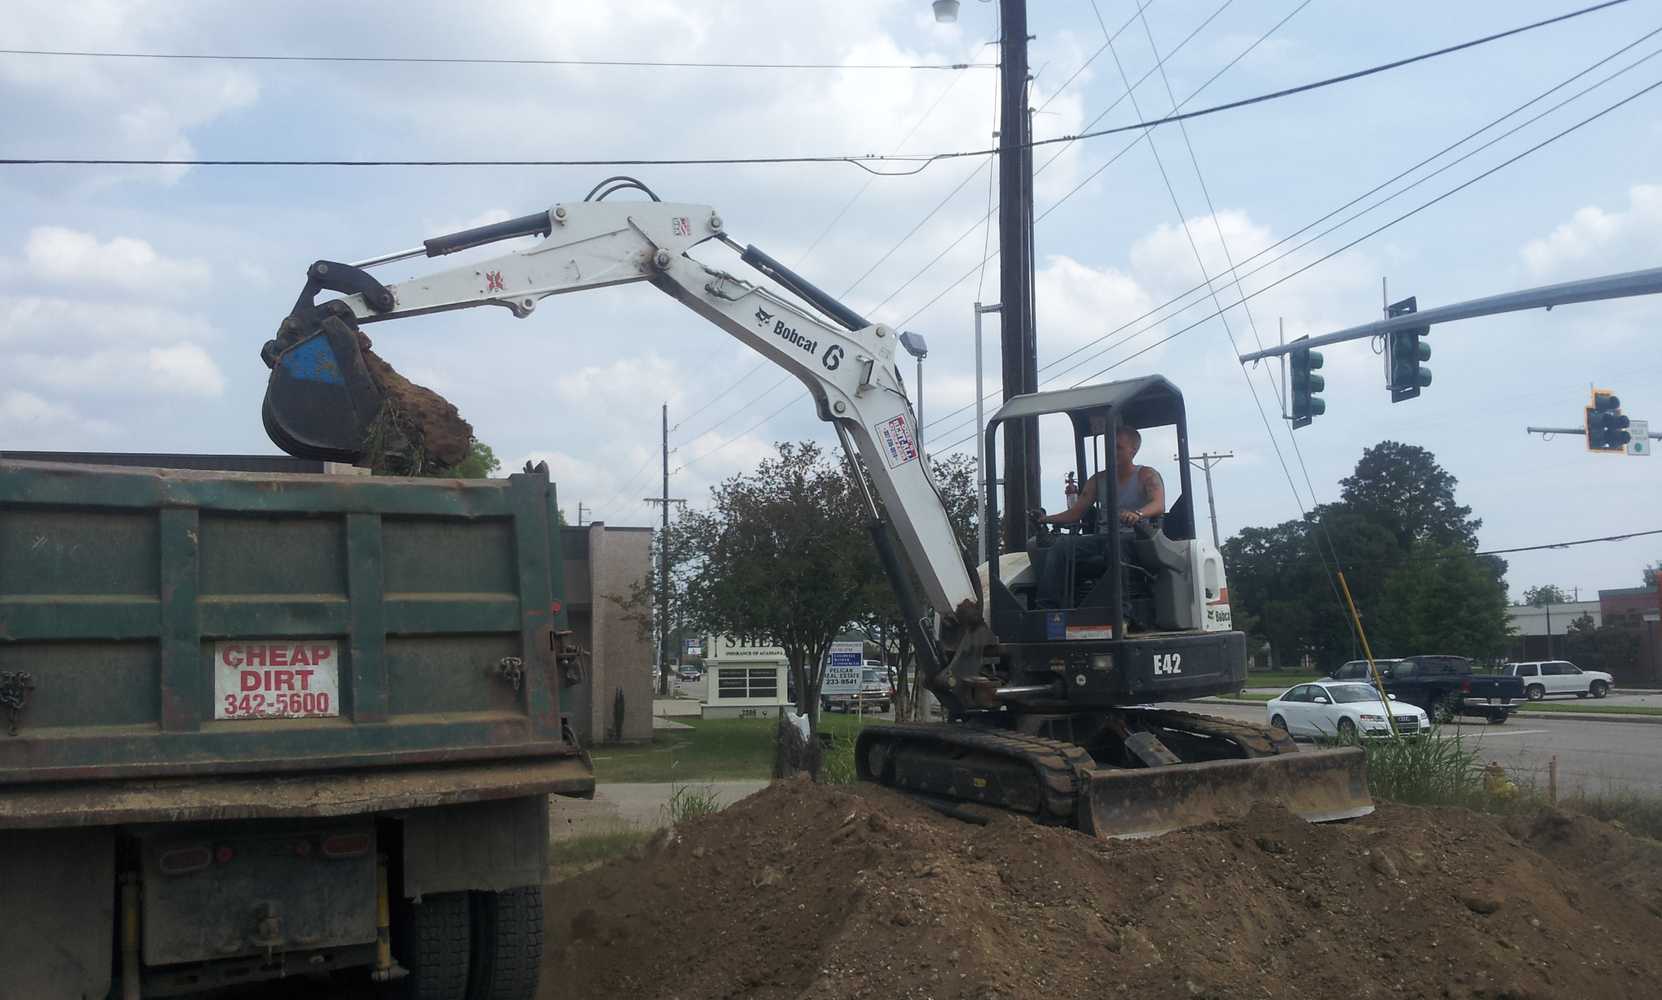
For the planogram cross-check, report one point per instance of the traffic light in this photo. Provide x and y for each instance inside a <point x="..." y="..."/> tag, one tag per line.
<point x="1404" y="352"/>
<point x="1606" y="423"/>
<point x="1306" y="405"/>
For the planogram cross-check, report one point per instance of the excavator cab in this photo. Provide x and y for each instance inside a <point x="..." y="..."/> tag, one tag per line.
<point x="1089" y="591"/>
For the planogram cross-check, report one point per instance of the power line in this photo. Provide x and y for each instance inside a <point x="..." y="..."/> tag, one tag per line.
<point x="1369" y="234"/>
<point x="1376" y="188"/>
<point x="735" y="438"/>
<point x="1104" y="166"/>
<point x="863" y="161"/>
<point x="487" y="61"/>
<point x="1557" y="545"/>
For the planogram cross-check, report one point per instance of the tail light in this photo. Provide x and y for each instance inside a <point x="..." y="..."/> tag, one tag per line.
<point x="1466" y="685"/>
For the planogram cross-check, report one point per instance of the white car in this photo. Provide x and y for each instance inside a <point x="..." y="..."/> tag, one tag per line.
<point x="1547" y="677"/>
<point x="1343" y="711"/>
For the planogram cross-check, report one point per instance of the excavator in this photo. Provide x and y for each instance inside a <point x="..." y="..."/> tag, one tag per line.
<point x="1051" y="712"/>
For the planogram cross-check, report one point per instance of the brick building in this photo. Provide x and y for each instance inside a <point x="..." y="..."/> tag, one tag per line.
<point x="1638" y="611"/>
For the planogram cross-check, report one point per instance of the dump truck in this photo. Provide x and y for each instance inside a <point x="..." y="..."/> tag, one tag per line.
<point x="258" y="725"/>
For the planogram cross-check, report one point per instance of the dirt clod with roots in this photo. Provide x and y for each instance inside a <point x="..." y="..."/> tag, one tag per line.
<point x="806" y="890"/>
<point x="418" y="432"/>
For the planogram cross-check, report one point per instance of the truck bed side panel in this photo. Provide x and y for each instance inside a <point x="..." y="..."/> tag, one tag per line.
<point x="125" y="595"/>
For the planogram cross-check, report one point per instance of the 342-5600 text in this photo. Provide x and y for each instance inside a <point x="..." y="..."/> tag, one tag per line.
<point x="283" y="704"/>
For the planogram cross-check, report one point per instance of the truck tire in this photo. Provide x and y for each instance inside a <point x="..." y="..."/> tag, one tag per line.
<point x="1535" y="692"/>
<point x="1443" y="709"/>
<point x="1600" y="689"/>
<point x="432" y="939"/>
<point x="507" y="944"/>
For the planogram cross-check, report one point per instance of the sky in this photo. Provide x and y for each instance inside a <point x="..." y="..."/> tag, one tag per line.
<point x="134" y="300"/>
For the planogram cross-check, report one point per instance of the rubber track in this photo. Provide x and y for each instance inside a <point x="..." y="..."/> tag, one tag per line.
<point x="1056" y="764"/>
<point x="1257" y="741"/>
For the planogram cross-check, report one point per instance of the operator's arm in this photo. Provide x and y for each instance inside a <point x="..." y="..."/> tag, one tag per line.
<point x="1081" y="503"/>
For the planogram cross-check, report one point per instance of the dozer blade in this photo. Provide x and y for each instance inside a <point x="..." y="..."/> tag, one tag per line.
<point x="1318" y="785"/>
<point x="320" y="401"/>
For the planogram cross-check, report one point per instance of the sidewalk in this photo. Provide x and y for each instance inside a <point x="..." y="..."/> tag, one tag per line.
<point x="642" y="806"/>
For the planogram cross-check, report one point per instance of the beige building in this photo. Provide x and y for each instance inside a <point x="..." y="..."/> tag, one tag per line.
<point x="602" y="563"/>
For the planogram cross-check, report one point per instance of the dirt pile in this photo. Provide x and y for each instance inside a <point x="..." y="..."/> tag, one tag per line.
<point x="810" y="891"/>
<point x="419" y="431"/>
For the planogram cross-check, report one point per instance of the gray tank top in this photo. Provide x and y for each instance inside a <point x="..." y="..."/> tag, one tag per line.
<point x="1130" y="494"/>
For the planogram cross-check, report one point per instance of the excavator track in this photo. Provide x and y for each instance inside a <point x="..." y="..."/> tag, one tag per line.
<point x="1234" y="766"/>
<point x="1255" y="741"/>
<point x="962" y="762"/>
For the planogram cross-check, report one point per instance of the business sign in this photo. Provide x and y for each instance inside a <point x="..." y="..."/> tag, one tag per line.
<point x="842" y="669"/>
<point x="277" y="679"/>
<point x="694" y="647"/>
<point x="741" y="649"/>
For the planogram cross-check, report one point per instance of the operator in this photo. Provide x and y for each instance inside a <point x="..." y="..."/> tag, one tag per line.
<point x="1141" y="494"/>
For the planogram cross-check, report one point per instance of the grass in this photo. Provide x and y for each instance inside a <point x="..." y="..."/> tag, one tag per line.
<point x="712" y="750"/>
<point x="1576" y="706"/>
<point x="1280" y="678"/>
<point x="585" y="851"/>
<point x="686" y="802"/>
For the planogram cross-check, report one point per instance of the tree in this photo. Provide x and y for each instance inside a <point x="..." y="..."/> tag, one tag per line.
<point x="1396" y="508"/>
<point x="781" y="555"/>
<point x="480" y="463"/>
<point x="1403" y="487"/>
<point x="1444" y="601"/>
<point x="1651" y="573"/>
<point x="1545" y="594"/>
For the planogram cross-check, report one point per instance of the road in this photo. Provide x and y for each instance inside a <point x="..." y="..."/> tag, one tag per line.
<point x="1599" y="758"/>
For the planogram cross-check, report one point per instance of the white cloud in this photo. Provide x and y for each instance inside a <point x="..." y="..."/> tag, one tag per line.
<point x="58" y="254"/>
<point x="1595" y="239"/>
<point x="625" y="385"/>
<point x="1079" y="303"/>
<point x="180" y="369"/>
<point x="28" y="422"/>
<point x="62" y="324"/>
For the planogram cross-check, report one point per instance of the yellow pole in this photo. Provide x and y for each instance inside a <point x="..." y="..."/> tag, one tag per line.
<point x="1373" y="668"/>
<point x="383" y="924"/>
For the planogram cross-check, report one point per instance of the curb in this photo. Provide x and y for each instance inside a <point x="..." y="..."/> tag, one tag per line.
<point x="1654" y="720"/>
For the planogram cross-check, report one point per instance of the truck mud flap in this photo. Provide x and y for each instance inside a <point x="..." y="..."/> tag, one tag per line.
<point x="1320" y="786"/>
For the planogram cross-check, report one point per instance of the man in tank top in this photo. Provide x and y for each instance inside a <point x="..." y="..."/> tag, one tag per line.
<point x="1140" y="492"/>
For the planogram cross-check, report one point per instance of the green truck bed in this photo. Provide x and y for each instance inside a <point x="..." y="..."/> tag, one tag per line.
<point x="158" y="624"/>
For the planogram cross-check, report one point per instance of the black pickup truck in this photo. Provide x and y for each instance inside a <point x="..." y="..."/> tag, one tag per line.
<point x="1444" y="686"/>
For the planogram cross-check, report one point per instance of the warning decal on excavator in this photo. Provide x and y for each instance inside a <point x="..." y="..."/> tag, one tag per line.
<point x="898" y="447"/>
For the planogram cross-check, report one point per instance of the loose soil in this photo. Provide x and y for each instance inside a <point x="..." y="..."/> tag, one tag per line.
<point x="419" y="431"/>
<point x="811" y="891"/>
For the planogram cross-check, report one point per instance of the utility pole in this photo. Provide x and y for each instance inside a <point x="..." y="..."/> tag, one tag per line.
<point x="1015" y="246"/>
<point x="665" y="500"/>
<point x="1205" y="460"/>
<point x="580" y="519"/>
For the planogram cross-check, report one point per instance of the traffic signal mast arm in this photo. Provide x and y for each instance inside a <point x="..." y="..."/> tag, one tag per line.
<point x="1613" y="286"/>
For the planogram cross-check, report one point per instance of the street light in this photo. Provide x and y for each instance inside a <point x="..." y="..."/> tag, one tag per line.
<point x="917" y="348"/>
<point x="946" y="11"/>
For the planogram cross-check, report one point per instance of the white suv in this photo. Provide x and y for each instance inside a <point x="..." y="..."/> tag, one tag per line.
<point x="1545" y="677"/>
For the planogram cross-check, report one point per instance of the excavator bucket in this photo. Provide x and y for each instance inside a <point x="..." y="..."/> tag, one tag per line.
<point x="320" y="401"/>
<point x="331" y="398"/>
<point x="1317" y="785"/>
